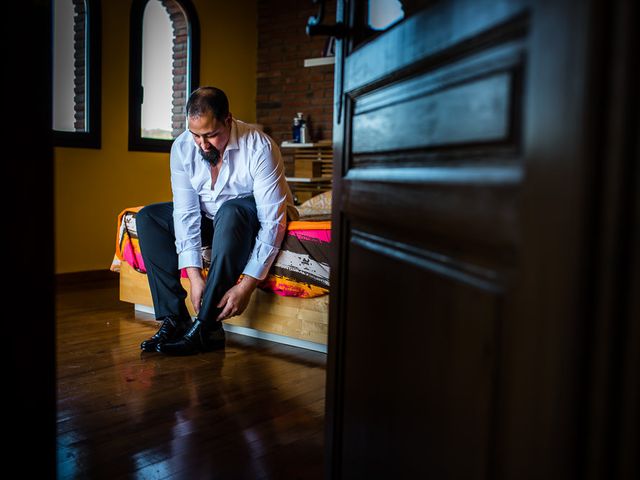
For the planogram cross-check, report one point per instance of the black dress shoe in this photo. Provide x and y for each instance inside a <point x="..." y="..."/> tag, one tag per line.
<point x="172" y="328"/>
<point x="200" y="338"/>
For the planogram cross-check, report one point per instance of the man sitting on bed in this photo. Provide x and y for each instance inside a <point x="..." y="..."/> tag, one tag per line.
<point x="229" y="191"/>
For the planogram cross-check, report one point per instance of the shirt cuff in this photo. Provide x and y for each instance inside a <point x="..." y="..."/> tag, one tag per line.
<point x="190" y="258"/>
<point x="256" y="270"/>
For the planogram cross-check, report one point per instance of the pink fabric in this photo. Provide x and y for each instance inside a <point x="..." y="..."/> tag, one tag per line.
<point x="320" y="235"/>
<point x="133" y="258"/>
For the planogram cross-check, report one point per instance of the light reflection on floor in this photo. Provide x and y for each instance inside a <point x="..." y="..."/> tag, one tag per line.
<point x="150" y="416"/>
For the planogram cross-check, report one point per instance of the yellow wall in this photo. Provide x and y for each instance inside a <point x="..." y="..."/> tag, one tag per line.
<point x="93" y="186"/>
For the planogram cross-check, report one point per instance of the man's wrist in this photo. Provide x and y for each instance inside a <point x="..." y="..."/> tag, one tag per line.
<point x="194" y="273"/>
<point x="249" y="282"/>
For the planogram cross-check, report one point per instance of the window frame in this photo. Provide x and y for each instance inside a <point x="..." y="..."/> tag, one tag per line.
<point x="136" y="141"/>
<point x="93" y="98"/>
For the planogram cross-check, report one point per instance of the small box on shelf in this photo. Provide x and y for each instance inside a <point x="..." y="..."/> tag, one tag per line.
<point x="313" y="167"/>
<point x="314" y="160"/>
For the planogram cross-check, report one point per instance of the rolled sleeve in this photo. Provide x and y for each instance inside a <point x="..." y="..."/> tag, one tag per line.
<point x="258" y="265"/>
<point x="190" y="258"/>
<point x="269" y="191"/>
<point x="186" y="213"/>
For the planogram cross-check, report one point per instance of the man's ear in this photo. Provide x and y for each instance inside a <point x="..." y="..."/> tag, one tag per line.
<point x="228" y="119"/>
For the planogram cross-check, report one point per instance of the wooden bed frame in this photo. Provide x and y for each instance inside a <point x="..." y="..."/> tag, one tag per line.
<point x="295" y="321"/>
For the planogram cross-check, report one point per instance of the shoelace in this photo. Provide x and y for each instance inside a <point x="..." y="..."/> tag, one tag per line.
<point x="163" y="331"/>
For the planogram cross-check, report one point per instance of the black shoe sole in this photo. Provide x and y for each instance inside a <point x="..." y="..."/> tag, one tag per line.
<point x="148" y="348"/>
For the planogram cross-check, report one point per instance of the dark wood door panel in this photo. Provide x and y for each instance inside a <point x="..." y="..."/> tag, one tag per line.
<point x="468" y="212"/>
<point x="472" y="101"/>
<point x="464" y="113"/>
<point x="420" y="365"/>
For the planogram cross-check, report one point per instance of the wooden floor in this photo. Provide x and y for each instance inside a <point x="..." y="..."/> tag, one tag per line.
<point x="253" y="411"/>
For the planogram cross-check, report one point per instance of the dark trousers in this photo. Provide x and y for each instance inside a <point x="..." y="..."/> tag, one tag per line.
<point x="231" y="235"/>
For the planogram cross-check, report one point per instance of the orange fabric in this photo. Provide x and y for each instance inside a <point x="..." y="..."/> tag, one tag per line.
<point x="291" y="288"/>
<point x="120" y="215"/>
<point x="302" y="225"/>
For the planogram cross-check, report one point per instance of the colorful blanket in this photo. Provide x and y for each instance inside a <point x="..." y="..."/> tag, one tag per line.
<point x="301" y="269"/>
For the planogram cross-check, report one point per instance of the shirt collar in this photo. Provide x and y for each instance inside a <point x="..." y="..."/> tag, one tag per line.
<point x="233" y="136"/>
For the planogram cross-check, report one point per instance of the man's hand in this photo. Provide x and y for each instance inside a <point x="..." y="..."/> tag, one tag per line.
<point x="197" y="286"/>
<point x="237" y="298"/>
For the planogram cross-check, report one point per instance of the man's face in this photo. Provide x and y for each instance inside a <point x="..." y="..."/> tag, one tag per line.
<point x="210" y="134"/>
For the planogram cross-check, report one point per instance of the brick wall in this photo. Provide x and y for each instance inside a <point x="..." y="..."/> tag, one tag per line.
<point x="285" y="86"/>
<point x="79" y="79"/>
<point x="179" y="67"/>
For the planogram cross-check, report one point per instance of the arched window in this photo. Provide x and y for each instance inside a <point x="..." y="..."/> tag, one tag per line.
<point x="76" y="73"/>
<point x="163" y="70"/>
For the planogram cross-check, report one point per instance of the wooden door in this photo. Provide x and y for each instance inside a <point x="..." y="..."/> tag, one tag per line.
<point x="466" y="143"/>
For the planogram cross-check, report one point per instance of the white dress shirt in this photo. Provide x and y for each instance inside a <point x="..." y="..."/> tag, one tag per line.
<point x="251" y="165"/>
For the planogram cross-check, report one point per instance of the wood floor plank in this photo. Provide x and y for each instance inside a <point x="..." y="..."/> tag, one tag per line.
<point x="254" y="410"/>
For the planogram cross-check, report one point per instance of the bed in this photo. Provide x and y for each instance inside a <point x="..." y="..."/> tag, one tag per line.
<point x="290" y="306"/>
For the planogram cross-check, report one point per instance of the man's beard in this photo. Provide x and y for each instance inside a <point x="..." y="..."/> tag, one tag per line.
<point x="212" y="156"/>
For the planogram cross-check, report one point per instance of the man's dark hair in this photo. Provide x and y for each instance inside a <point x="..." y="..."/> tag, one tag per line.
<point x="208" y="99"/>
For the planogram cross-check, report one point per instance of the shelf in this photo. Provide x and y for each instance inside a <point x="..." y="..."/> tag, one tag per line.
<point x="322" y="143"/>
<point x="307" y="180"/>
<point x="286" y="144"/>
<point x="316" y="62"/>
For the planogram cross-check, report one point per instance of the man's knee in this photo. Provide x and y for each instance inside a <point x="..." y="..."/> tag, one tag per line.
<point x="237" y="209"/>
<point x="153" y="213"/>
